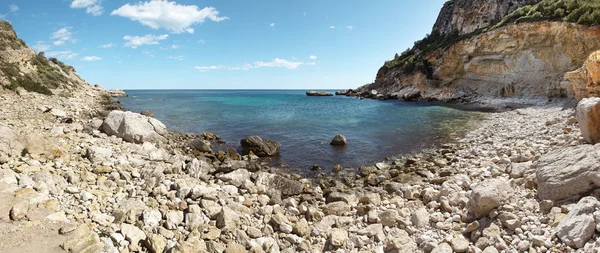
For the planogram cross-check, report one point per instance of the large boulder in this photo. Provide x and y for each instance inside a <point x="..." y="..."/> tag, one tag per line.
<point x="278" y="186"/>
<point x="9" y="143"/>
<point x="488" y="195"/>
<point x="134" y="127"/>
<point x="260" y="147"/>
<point x="579" y="225"/>
<point x="588" y="116"/>
<point x="339" y="140"/>
<point x="569" y="171"/>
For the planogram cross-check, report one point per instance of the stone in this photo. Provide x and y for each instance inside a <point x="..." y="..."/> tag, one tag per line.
<point x="568" y="172"/>
<point x="98" y="155"/>
<point x="199" y="169"/>
<point x="398" y="240"/>
<point x="278" y="185"/>
<point x="151" y="218"/>
<point x="314" y="93"/>
<point x="132" y="233"/>
<point x="420" y="218"/>
<point x="389" y="218"/>
<point x="227" y="219"/>
<point x="235" y="248"/>
<point x="134" y="127"/>
<point x="442" y="248"/>
<point x="488" y="195"/>
<point x="237" y="177"/>
<point x="200" y="146"/>
<point x="588" y="116"/>
<point x="349" y="198"/>
<point x="338" y="140"/>
<point x="173" y="219"/>
<point x="19" y="210"/>
<point x="156" y="243"/>
<point x="579" y="225"/>
<point x="9" y="142"/>
<point x="338" y="237"/>
<point x="490" y="249"/>
<point x="260" y="147"/>
<point x="336" y="208"/>
<point x="58" y="113"/>
<point x="301" y="228"/>
<point x="460" y="244"/>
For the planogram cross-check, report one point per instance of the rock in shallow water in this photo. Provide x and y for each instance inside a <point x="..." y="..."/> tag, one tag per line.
<point x="259" y="146"/>
<point x="339" y="140"/>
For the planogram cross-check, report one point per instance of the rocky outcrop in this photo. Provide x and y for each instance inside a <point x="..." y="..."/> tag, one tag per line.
<point x="134" y="127"/>
<point x="525" y="60"/>
<point x="588" y="117"/>
<point x="117" y="93"/>
<point x="585" y="81"/>
<point x="339" y="140"/>
<point x="318" y="93"/>
<point x="466" y="16"/>
<point x="568" y="172"/>
<point x="259" y="146"/>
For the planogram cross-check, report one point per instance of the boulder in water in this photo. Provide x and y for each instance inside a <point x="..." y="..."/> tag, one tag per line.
<point x="339" y="140"/>
<point x="134" y="127"/>
<point x="313" y="93"/>
<point x="260" y="147"/>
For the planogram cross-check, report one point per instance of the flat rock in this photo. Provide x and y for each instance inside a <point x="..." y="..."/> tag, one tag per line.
<point x="579" y="225"/>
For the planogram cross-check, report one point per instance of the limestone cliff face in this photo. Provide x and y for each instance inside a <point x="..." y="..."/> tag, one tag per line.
<point x="585" y="81"/>
<point x="466" y="16"/>
<point x="524" y="61"/>
<point x="22" y="68"/>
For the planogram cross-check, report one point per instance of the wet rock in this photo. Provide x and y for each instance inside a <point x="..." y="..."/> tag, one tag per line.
<point x="339" y="140"/>
<point x="579" y="225"/>
<point x="260" y="147"/>
<point x="200" y="146"/>
<point x="488" y="195"/>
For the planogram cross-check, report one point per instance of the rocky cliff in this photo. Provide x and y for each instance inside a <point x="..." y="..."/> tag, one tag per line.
<point x="21" y="68"/>
<point x="466" y="16"/>
<point x="522" y="60"/>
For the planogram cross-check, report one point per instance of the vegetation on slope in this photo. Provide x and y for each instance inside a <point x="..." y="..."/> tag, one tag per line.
<point x="585" y="12"/>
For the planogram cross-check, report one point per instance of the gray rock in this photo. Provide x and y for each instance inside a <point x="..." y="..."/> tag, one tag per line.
<point x="9" y="143"/>
<point x="278" y="185"/>
<point x="313" y="93"/>
<point x="336" y="208"/>
<point x="174" y="218"/>
<point x="151" y="218"/>
<point x="443" y="248"/>
<point x="568" y="171"/>
<point x="98" y="155"/>
<point x="260" y="147"/>
<point x="200" y="145"/>
<point x="420" y="218"/>
<point x="134" y="127"/>
<point x="133" y="234"/>
<point x="339" y="140"/>
<point x="199" y="169"/>
<point x="338" y="237"/>
<point x="488" y="195"/>
<point x="236" y="178"/>
<point x="579" y="225"/>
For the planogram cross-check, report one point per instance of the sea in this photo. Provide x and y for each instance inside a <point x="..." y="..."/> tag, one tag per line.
<point x="375" y="130"/>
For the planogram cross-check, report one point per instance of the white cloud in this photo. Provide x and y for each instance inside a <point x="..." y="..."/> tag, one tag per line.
<point x="332" y="27"/>
<point x="272" y="25"/>
<point x="63" y="55"/>
<point x="148" y="39"/>
<point x="41" y="46"/>
<point x="61" y="36"/>
<point x="91" y="58"/>
<point x="208" y="68"/>
<point x="174" y="17"/>
<point x="13" y="8"/>
<point x="93" y="7"/>
<point x="279" y="63"/>
<point x="177" y="57"/>
<point x="175" y="46"/>
<point x="312" y="57"/>
<point x="109" y="45"/>
<point x="350" y="27"/>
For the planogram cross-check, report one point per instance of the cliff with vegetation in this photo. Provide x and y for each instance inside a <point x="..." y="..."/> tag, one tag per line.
<point x="21" y="68"/>
<point x="495" y="48"/>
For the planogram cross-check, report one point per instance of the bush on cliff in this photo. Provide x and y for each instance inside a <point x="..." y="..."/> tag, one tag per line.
<point x="584" y="12"/>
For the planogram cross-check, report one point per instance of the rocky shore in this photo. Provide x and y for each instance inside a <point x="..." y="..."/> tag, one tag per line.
<point x="67" y="179"/>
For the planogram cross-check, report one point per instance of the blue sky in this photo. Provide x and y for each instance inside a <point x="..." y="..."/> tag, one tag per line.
<point x="217" y="44"/>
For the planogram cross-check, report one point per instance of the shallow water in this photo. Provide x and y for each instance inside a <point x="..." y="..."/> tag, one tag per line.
<point x="305" y="125"/>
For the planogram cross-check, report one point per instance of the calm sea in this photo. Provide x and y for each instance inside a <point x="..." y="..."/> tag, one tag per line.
<point x="305" y="125"/>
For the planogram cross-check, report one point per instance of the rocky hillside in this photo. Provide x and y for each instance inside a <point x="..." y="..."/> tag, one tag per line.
<point x="494" y="49"/>
<point x="21" y="68"/>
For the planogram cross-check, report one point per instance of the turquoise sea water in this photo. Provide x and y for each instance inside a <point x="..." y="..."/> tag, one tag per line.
<point x="305" y="125"/>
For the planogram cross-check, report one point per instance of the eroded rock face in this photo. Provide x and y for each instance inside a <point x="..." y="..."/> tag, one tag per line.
<point x="579" y="225"/>
<point x="259" y="146"/>
<point x="585" y="81"/>
<point x="588" y="117"/>
<point x="134" y="127"/>
<point x="568" y="172"/>
<point x="466" y="16"/>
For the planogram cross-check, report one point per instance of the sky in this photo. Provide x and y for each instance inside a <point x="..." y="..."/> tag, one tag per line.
<point x="218" y="44"/>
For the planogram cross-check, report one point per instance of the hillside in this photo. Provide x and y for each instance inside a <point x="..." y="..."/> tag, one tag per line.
<point x="22" y="68"/>
<point x="494" y="48"/>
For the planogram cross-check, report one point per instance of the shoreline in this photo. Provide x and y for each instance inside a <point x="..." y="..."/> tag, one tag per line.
<point x="126" y="196"/>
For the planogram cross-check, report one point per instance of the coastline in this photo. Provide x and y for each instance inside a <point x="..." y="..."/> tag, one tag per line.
<point x="160" y="196"/>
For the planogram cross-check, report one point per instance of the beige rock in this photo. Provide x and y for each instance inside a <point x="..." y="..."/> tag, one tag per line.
<point x="134" y="127"/>
<point x="579" y="225"/>
<point x="19" y="211"/>
<point x="336" y="208"/>
<point x="588" y="116"/>
<point x="338" y="237"/>
<point x="488" y="195"/>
